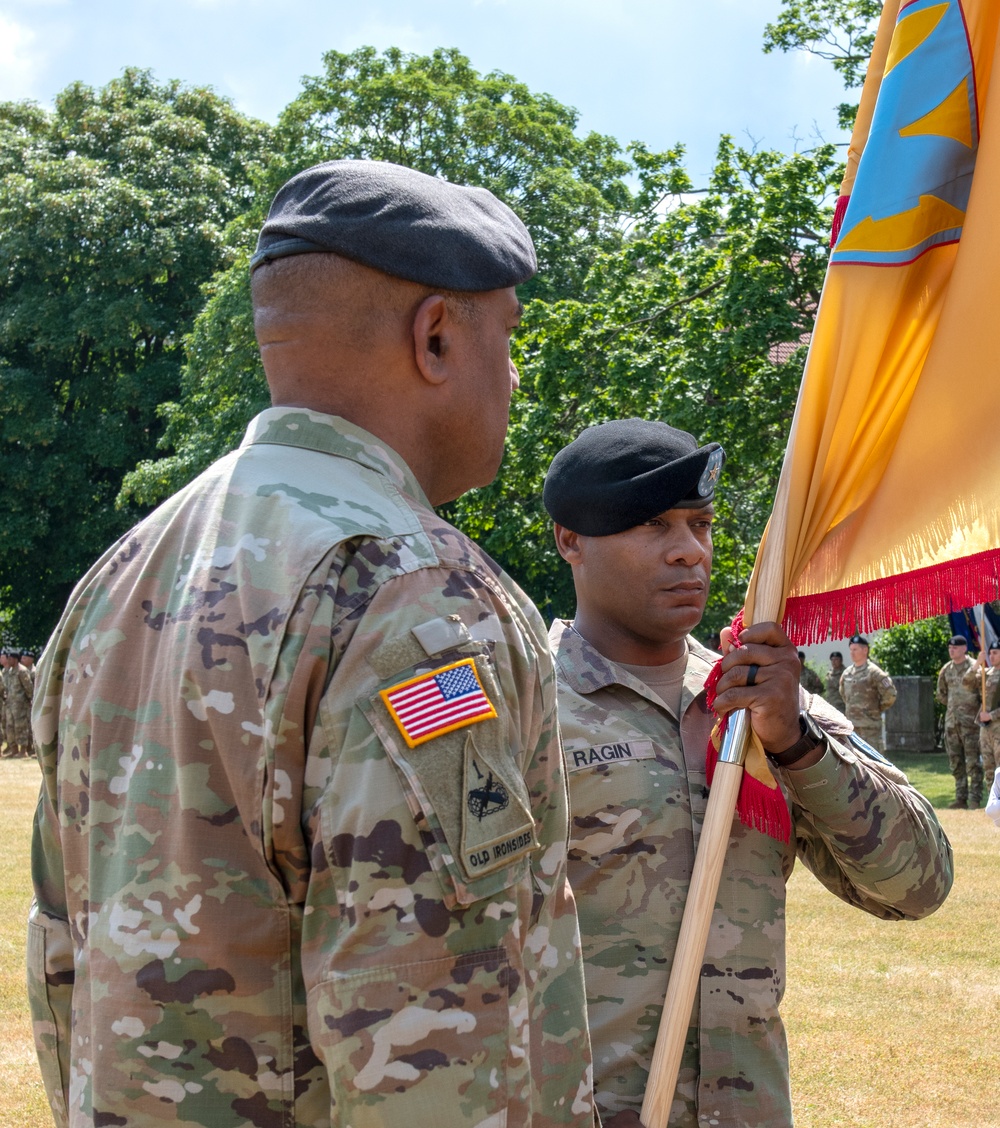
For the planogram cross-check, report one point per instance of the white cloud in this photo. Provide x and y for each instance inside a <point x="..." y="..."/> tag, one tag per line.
<point x="21" y="59"/>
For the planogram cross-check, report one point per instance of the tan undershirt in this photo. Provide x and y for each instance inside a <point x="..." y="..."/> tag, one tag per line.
<point x="666" y="682"/>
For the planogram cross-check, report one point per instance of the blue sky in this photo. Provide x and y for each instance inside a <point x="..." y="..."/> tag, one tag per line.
<point x="660" y="72"/>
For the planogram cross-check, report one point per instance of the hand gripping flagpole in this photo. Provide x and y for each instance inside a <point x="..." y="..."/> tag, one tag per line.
<point x="765" y="601"/>
<point x="690" y="953"/>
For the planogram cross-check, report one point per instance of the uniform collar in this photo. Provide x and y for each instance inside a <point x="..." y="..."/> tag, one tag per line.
<point x="585" y="670"/>
<point x="331" y="434"/>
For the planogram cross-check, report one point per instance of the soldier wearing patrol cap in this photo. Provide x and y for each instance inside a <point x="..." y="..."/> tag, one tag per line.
<point x="868" y="692"/>
<point x="958" y="693"/>
<point x="5" y="749"/>
<point x="302" y="770"/>
<point x="18" y="691"/>
<point x="989" y="707"/>
<point x="632" y="505"/>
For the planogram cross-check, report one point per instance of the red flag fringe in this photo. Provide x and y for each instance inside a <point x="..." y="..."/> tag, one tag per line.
<point x="758" y="806"/>
<point x="896" y="599"/>
<point x="838" y="219"/>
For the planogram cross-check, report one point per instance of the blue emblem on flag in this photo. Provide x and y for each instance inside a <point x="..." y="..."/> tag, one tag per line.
<point x="915" y="174"/>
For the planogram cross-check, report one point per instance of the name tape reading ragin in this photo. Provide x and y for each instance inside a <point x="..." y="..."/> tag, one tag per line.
<point x="608" y="754"/>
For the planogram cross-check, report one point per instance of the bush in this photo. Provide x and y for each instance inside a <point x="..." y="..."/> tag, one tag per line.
<point x="913" y="649"/>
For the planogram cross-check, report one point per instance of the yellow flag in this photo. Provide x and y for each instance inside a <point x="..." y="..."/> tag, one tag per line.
<point x="887" y="510"/>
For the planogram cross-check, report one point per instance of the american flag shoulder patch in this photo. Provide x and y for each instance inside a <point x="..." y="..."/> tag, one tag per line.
<point x="441" y="701"/>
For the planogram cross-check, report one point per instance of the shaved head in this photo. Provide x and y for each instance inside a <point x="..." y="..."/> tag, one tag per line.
<point x="427" y="370"/>
<point x="349" y="303"/>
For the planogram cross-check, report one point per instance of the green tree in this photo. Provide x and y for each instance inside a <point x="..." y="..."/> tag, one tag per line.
<point x="435" y="113"/>
<point x="840" y="31"/>
<point x="696" y="309"/>
<point x="701" y="319"/>
<point x="913" y="649"/>
<point x="112" y="209"/>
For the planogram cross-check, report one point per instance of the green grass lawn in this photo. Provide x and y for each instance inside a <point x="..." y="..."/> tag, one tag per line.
<point x="890" y="1025"/>
<point x="929" y="773"/>
<point x="22" y="1098"/>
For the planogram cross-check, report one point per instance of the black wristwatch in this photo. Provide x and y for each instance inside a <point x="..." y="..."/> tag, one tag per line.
<point x="812" y="737"/>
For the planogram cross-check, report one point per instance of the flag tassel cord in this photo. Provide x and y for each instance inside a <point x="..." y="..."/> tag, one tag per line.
<point x="936" y="590"/>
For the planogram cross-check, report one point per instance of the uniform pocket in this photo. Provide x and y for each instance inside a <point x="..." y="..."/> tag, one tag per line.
<point x="463" y="782"/>
<point x="433" y="1043"/>
<point x="50" y="1004"/>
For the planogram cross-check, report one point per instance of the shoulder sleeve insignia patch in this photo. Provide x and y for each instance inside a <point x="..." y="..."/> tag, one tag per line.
<point x="441" y="701"/>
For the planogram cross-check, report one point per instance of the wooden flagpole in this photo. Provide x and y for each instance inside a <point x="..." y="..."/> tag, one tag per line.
<point x="685" y="973"/>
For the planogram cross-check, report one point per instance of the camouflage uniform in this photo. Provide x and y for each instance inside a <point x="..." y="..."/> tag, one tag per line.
<point x="19" y="688"/>
<point x="961" y="729"/>
<point x="989" y="734"/>
<point x="832" y="691"/>
<point x="867" y="692"/>
<point x="256" y="904"/>
<point x="638" y="797"/>
<point x="4" y="750"/>
<point x="809" y="680"/>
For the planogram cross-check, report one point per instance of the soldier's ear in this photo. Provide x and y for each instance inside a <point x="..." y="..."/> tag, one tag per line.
<point x="568" y="544"/>
<point x="432" y="328"/>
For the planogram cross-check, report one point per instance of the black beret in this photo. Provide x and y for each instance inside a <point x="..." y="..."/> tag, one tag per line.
<point x="958" y="640"/>
<point x="620" y="474"/>
<point x="402" y="222"/>
<point x="857" y="639"/>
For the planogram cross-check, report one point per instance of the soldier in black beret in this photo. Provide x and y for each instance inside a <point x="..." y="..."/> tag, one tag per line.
<point x="354" y="711"/>
<point x="621" y="473"/>
<point x="959" y="692"/>
<point x="632" y="502"/>
<point x="391" y="294"/>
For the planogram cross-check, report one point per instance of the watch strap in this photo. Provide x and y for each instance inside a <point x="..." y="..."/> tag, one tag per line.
<point x="810" y="739"/>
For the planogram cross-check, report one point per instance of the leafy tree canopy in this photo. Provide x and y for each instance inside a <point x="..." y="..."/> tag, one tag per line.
<point x="913" y="649"/>
<point x="840" y="31"/>
<point x="112" y="209"/>
<point x="700" y="319"/>
<point x="435" y="113"/>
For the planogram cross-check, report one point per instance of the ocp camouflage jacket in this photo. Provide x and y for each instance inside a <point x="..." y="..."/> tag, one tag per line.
<point x="258" y="900"/>
<point x="638" y="797"/>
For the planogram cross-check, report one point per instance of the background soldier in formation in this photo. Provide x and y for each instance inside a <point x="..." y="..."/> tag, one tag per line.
<point x="808" y="678"/>
<point x="18" y="690"/>
<point x="4" y="663"/>
<point x="867" y="692"/>
<point x="832" y="692"/>
<point x="961" y="727"/>
<point x="989" y="714"/>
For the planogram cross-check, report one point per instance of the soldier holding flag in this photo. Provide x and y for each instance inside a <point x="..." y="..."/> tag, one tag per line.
<point x="631" y="501"/>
